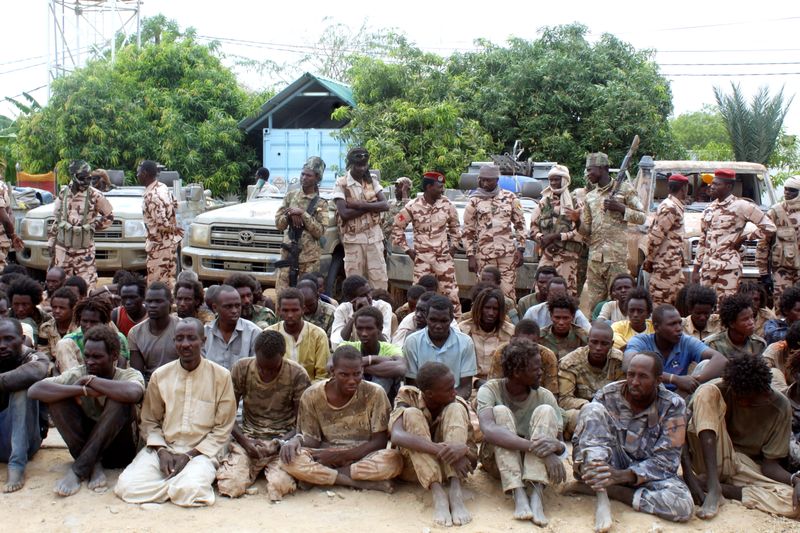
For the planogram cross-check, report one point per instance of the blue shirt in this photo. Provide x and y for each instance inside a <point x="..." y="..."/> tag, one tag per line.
<point x="688" y="350"/>
<point x="457" y="352"/>
<point x="775" y="330"/>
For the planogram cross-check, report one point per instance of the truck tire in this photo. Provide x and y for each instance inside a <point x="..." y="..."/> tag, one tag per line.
<point x="335" y="275"/>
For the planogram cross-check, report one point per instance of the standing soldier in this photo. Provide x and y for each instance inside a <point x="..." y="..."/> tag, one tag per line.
<point x="664" y="258"/>
<point x="163" y="232"/>
<point x="489" y="218"/>
<point x="603" y="223"/>
<point x="718" y="263"/>
<point x="436" y="233"/>
<point x="402" y="192"/>
<point x="304" y="217"/>
<point x="556" y="234"/>
<point x="8" y="237"/>
<point x="780" y="257"/>
<point x="80" y="210"/>
<point x="359" y="203"/>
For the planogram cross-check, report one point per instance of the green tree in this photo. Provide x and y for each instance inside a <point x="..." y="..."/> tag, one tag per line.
<point x="703" y="134"/>
<point x="753" y="128"/>
<point x="8" y="135"/>
<point x="172" y="101"/>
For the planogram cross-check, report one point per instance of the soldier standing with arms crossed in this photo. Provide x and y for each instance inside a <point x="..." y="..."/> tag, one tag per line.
<point x="163" y="232"/>
<point x="718" y="263"/>
<point x="488" y="217"/>
<point x="80" y="211"/>
<point x="664" y="259"/>
<point x="436" y="232"/>
<point x="779" y="258"/>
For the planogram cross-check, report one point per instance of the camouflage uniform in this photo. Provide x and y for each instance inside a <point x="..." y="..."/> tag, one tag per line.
<point x="487" y="233"/>
<point x="563" y="255"/>
<point x="781" y="255"/>
<point x="362" y="237"/>
<point x="665" y="250"/>
<point x="721" y="342"/>
<point x="578" y="381"/>
<point x="648" y="443"/>
<point x="87" y="209"/>
<point x="722" y="226"/>
<point x="606" y="232"/>
<point x="712" y="326"/>
<point x="436" y="228"/>
<point x="159" y="212"/>
<point x="561" y="346"/>
<point x="583" y="257"/>
<point x="313" y="229"/>
<point x="5" y="240"/>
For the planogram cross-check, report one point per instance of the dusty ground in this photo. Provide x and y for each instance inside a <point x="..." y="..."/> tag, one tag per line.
<point x="36" y="508"/>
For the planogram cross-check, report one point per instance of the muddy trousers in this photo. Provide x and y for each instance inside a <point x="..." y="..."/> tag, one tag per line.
<point x="377" y="466"/>
<point x="238" y="471"/>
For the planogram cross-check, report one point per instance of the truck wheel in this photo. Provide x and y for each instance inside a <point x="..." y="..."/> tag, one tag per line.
<point x="642" y="278"/>
<point x="335" y="276"/>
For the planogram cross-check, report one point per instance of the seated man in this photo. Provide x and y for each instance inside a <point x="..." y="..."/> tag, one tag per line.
<point x="440" y="342"/>
<point x="777" y="357"/>
<point x="62" y="307"/>
<point x="564" y="335"/>
<point x="89" y="312"/>
<point x="53" y="280"/>
<point x="152" y="342"/>
<point x="25" y="295"/>
<point x="700" y="303"/>
<point x="416" y="321"/>
<point x="412" y="295"/>
<point x="789" y="306"/>
<point x="793" y="393"/>
<point x="738" y="435"/>
<point x="269" y="388"/>
<point x="431" y="426"/>
<point x="20" y="436"/>
<point x="539" y="293"/>
<point x="614" y="309"/>
<point x="342" y="428"/>
<point x="94" y="408"/>
<point x="78" y="285"/>
<point x="383" y="362"/>
<point x="757" y="295"/>
<point x="521" y="425"/>
<point x="229" y="337"/>
<point x="528" y="329"/>
<point x="188" y="413"/>
<point x="5" y="312"/>
<point x="356" y="294"/>
<point x="131" y="291"/>
<point x="540" y="313"/>
<point x="737" y="337"/>
<point x="306" y="343"/>
<point x="585" y="371"/>
<point x="247" y="287"/>
<point x="638" y="307"/>
<point x="491" y="275"/>
<point x="678" y="351"/>
<point x="189" y="300"/>
<point x="315" y="311"/>
<point x="627" y="446"/>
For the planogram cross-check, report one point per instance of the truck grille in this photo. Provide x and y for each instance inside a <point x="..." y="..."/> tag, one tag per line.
<point x="112" y="233"/>
<point x="252" y="266"/>
<point x="239" y="238"/>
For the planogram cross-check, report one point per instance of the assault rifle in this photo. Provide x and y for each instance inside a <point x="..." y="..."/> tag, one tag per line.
<point x="293" y="262"/>
<point x="623" y="168"/>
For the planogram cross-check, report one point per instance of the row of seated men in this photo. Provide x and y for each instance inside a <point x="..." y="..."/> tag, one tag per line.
<point x="325" y="435"/>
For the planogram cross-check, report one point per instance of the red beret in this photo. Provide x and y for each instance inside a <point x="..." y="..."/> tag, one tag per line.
<point x="435" y="176"/>
<point x="679" y="178"/>
<point x="725" y="174"/>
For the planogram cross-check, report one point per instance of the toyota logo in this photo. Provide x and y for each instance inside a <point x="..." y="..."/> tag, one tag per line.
<point x="246" y="237"/>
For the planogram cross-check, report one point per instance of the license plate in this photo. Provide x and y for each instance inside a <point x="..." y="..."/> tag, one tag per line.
<point x="246" y="267"/>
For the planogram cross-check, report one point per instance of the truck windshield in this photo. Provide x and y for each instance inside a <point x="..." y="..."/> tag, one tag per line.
<point x="747" y="186"/>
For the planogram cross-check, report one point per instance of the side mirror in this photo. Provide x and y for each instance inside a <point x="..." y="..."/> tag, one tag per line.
<point x="194" y="193"/>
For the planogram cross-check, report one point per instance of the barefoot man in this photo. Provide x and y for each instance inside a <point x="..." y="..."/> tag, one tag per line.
<point x="94" y="408"/>
<point x="342" y="428"/>
<point x="430" y="424"/>
<point x="627" y="446"/>
<point x="522" y="425"/>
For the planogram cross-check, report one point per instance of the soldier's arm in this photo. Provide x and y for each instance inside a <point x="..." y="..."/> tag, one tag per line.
<point x="399" y="225"/>
<point x="634" y="210"/>
<point x="7" y="222"/>
<point x="567" y="383"/>
<point x="764" y="223"/>
<point x="585" y="222"/>
<point x="763" y="248"/>
<point x="316" y="224"/>
<point x="105" y="213"/>
<point x="281" y="220"/>
<point x="518" y="221"/>
<point x="701" y="244"/>
<point x="663" y="221"/>
<point x="469" y="230"/>
<point x="51" y="234"/>
<point x="533" y="233"/>
<point x="453" y="225"/>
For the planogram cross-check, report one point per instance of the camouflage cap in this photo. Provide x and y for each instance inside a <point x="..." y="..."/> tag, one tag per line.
<point x="78" y="166"/>
<point x="489" y="172"/>
<point x="597" y="159"/>
<point x="316" y="165"/>
<point x="405" y="181"/>
<point x="357" y="153"/>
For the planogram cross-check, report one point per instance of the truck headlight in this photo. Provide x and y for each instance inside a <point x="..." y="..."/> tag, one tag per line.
<point x="134" y="228"/>
<point x="33" y="228"/>
<point x="199" y="235"/>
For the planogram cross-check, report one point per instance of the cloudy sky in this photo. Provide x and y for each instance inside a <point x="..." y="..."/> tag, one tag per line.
<point x="699" y="44"/>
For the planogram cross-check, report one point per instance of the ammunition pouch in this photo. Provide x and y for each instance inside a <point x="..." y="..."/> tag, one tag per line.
<point x="74" y="237"/>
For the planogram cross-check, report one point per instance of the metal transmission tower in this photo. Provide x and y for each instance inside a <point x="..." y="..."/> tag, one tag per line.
<point x="81" y="29"/>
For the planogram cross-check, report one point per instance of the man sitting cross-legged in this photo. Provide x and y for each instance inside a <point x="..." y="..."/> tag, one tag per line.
<point x="188" y="413"/>
<point x="94" y="408"/>
<point x="430" y="424"/>
<point x="627" y="445"/>
<point x="738" y="436"/>
<point x="521" y="425"/>
<point x="269" y="388"/>
<point x="342" y="428"/>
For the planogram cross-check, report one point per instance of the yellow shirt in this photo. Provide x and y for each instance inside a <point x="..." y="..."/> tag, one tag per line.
<point x="623" y="332"/>
<point x="310" y="350"/>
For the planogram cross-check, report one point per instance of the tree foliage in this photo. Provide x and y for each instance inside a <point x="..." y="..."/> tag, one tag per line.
<point x="703" y="134"/>
<point x="172" y="101"/>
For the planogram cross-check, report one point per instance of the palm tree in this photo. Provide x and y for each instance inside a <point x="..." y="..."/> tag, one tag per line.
<point x="754" y="129"/>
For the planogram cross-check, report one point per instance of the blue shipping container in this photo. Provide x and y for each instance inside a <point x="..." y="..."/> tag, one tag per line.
<point x="285" y="152"/>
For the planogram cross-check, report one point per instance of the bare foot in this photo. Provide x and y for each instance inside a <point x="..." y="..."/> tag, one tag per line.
<point x="695" y="488"/>
<point x="15" y="481"/>
<point x="537" y="506"/>
<point x="97" y="481"/>
<point x="522" y="508"/>
<point x="383" y="486"/>
<point x="457" y="508"/>
<point x="711" y="503"/>
<point x="571" y="488"/>
<point x="441" y="506"/>
<point x="68" y="485"/>
<point x="602" y="513"/>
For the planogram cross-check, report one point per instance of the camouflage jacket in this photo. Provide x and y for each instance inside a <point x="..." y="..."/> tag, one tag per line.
<point x="99" y="212"/>
<point x="606" y="230"/>
<point x="721" y="228"/>
<point x="666" y="236"/>
<point x="578" y="381"/>
<point x="364" y="229"/>
<point x="721" y="342"/>
<point x="547" y="218"/>
<point x="5" y="203"/>
<point x="435" y="226"/>
<point x="494" y="226"/>
<point x="782" y="250"/>
<point x="159" y="212"/>
<point x="313" y="225"/>
<point x="387" y="220"/>
<point x="576" y="338"/>
<point x="653" y="439"/>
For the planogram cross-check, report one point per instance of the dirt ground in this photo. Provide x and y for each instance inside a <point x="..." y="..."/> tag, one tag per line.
<point x="36" y="508"/>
